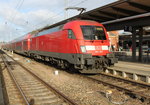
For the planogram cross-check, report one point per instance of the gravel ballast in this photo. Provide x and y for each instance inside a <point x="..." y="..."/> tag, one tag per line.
<point x="82" y="90"/>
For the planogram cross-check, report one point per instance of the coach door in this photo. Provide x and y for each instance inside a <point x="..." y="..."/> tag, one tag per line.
<point x="37" y="43"/>
<point x="24" y="45"/>
<point x="28" y="44"/>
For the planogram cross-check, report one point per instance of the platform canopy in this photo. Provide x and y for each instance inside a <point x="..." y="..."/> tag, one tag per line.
<point x="118" y="14"/>
<point x="118" y="10"/>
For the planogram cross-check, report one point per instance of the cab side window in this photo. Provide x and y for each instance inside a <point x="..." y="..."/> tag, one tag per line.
<point x="71" y="34"/>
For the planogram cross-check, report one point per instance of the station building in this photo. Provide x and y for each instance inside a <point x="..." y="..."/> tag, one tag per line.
<point x="114" y="40"/>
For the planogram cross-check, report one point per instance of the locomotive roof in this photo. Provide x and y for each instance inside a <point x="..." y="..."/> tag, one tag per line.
<point x="58" y="24"/>
<point x="26" y="36"/>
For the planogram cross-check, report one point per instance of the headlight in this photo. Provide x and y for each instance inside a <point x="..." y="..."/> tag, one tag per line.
<point x="83" y="49"/>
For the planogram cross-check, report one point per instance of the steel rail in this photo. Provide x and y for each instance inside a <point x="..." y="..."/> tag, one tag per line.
<point x="68" y="100"/>
<point x="129" y="91"/>
<point x="15" y="81"/>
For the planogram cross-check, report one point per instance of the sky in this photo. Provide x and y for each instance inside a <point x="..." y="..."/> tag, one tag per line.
<point x="18" y="17"/>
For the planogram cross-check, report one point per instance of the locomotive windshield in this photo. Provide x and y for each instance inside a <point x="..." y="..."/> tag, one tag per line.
<point x="93" y="33"/>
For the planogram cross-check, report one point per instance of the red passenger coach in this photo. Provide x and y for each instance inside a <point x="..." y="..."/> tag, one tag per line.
<point x="20" y="45"/>
<point x="81" y="44"/>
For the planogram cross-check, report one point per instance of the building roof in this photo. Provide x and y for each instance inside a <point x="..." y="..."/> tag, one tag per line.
<point x="115" y="12"/>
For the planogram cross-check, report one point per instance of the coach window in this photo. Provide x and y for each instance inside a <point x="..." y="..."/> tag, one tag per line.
<point x="71" y="34"/>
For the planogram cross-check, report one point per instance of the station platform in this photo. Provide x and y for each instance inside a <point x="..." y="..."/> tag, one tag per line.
<point x="126" y="63"/>
<point x="127" y="56"/>
<point x="132" y="70"/>
<point x="1" y="95"/>
<point x="1" y="92"/>
<point x="133" y="67"/>
<point x="126" y="67"/>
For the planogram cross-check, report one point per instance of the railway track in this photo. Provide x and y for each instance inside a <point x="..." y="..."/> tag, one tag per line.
<point x="30" y="89"/>
<point x="130" y="87"/>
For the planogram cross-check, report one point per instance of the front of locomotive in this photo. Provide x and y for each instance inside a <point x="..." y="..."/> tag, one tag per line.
<point x="93" y="43"/>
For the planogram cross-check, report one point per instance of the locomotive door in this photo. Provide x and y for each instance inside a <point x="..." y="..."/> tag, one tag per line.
<point x="71" y="43"/>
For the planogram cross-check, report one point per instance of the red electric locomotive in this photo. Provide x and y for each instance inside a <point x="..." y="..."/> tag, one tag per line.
<point x="81" y="44"/>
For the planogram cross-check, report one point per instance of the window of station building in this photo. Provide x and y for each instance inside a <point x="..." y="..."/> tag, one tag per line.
<point x="71" y="34"/>
<point x="93" y="32"/>
<point x="111" y="34"/>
